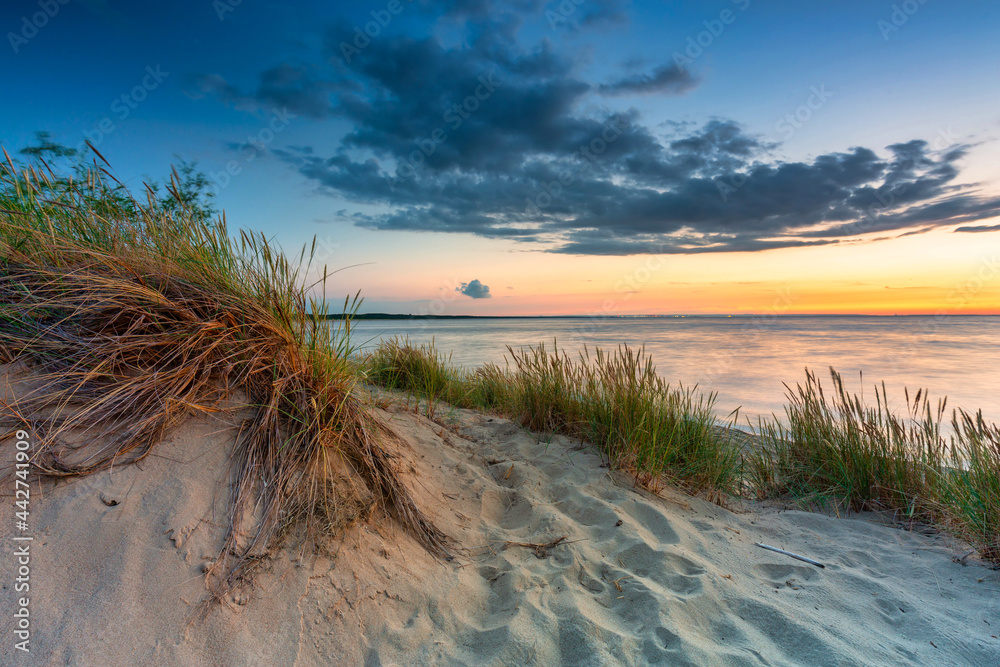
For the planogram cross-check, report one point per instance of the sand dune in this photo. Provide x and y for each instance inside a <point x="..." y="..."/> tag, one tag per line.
<point x="634" y="579"/>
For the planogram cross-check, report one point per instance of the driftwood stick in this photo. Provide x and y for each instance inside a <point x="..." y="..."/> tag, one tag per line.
<point x="789" y="553"/>
<point x="541" y="550"/>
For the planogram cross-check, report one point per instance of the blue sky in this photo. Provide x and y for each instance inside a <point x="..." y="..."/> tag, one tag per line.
<point x="739" y="128"/>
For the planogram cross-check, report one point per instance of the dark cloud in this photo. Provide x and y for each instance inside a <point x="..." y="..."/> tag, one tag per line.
<point x="294" y="88"/>
<point x="481" y="10"/>
<point x="973" y="230"/>
<point x="485" y="135"/>
<point x="575" y="16"/>
<point x="601" y="13"/>
<point x="475" y="289"/>
<point x="668" y="79"/>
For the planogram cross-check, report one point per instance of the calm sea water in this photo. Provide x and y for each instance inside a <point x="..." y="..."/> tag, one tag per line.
<point x="746" y="360"/>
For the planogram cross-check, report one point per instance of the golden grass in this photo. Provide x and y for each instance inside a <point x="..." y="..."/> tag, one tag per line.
<point x="134" y="315"/>
<point x="616" y="401"/>
<point x="830" y="450"/>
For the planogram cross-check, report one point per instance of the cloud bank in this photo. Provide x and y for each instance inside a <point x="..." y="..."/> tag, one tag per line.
<point x="491" y="136"/>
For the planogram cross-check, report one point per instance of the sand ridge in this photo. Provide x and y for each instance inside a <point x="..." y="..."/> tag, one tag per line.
<point x="635" y="579"/>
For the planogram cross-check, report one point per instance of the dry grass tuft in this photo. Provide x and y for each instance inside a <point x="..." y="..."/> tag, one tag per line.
<point x="135" y="315"/>
<point x="616" y="401"/>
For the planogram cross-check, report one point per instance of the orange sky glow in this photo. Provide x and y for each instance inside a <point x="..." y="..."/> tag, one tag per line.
<point x="933" y="273"/>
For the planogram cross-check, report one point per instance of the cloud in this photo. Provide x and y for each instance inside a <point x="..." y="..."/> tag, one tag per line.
<point x="475" y="289"/>
<point x="295" y="88"/>
<point x="669" y="79"/>
<point x="989" y="228"/>
<point x="492" y="136"/>
<point x="603" y="13"/>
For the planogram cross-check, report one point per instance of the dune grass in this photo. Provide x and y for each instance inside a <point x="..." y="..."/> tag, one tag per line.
<point x="615" y="401"/>
<point x="834" y="451"/>
<point x="844" y="450"/>
<point x="134" y="314"/>
<point x="845" y="453"/>
<point x="970" y="486"/>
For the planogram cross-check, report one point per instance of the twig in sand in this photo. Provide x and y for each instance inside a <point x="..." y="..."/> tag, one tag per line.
<point x="964" y="559"/>
<point x="790" y="554"/>
<point x="617" y="585"/>
<point x="540" y="550"/>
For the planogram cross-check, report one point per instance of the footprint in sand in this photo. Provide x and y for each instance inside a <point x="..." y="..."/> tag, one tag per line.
<point x="653" y="520"/>
<point x="518" y="512"/>
<point x="676" y="573"/>
<point x="794" y="641"/>
<point x="507" y="509"/>
<point x="662" y="647"/>
<point x="589" y="512"/>
<point x="863" y="561"/>
<point x="590" y="583"/>
<point x="891" y="609"/>
<point x="180" y="535"/>
<point x="509" y="475"/>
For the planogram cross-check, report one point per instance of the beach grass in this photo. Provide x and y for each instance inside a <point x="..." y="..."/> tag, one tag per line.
<point x="841" y="452"/>
<point x="969" y="487"/>
<point x="133" y="314"/>
<point x="616" y="401"/>
<point x="845" y="451"/>
<point x="830" y="451"/>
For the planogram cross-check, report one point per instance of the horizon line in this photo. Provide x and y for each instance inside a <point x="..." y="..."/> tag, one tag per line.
<point x="381" y="315"/>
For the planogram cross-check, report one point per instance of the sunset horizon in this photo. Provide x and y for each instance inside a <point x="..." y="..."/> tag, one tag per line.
<point x="591" y="333"/>
<point x="579" y="158"/>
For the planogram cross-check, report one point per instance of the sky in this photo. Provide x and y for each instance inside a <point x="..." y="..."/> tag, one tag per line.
<point x="572" y="157"/>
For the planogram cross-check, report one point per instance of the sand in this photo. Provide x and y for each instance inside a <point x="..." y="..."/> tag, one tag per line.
<point x="117" y="559"/>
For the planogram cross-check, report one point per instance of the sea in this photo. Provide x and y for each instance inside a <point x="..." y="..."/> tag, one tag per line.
<point x="748" y="360"/>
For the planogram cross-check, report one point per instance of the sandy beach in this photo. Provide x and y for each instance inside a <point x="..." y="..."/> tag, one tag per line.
<point x="508" y="333"/>
<point x="556" y="561"/>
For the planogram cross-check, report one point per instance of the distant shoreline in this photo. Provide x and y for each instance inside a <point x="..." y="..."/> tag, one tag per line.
<point x="742" y="316"/>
